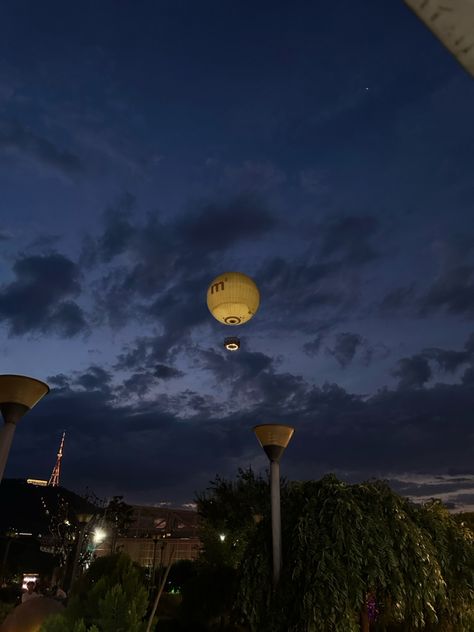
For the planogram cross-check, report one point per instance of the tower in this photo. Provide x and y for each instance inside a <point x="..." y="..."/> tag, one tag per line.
<point x="56" y="473"/>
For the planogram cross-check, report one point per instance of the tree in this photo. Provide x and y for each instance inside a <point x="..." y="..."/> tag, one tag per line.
<point x="355" y="557"/>
<point x="111" y="596"/>
<point x="119" y="516"/>
<point x="59" y="623"/>
<point x="348" y="546"/>
<point x="229" y="512"/>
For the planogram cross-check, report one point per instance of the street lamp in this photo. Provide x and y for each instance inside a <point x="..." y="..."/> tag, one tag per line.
<point x="156" y="539"/>
<point x="274" y="438"/>
<point x="18" y="395"/>
<point x="83" y="520"/>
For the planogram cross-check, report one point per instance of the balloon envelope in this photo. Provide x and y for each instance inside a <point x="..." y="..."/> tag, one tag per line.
<point x="233" y="298"/>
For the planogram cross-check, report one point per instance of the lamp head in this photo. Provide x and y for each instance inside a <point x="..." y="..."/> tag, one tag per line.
<point x="18" y="395"/>
<point x="274" y="439"/>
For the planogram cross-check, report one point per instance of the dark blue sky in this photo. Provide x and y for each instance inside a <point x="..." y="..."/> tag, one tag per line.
<point x="325" y="149"/>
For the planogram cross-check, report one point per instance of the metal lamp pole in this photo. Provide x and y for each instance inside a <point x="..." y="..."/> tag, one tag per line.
<point x="274" y="438"/>
<point x="18" y="395"/>
<point x="153" y="572"/>
<point x="83" y="520"/>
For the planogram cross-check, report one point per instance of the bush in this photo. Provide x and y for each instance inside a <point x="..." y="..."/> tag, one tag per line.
<point x="110" y="597"/>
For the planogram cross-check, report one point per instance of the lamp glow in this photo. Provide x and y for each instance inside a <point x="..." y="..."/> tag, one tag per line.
<point x="232" y="344"/>
<point x="99" y="536"/>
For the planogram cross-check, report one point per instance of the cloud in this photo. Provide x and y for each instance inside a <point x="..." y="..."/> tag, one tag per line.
<point x="214" y="227"/>
<point x="413" y="372"/>
<point x="139" y="384"/>
<point x="59" y="381"/>
<point x="416" y="371"/>
<point x="95" y="378"/>
<point x="447" y="360"/>
<point x="251" y="377"/>
<point x="164" y="372"/>
<point x="119" y="231"/>
<point x="324" y="281"/>
<point x="452" y="292"/>
<point x="38" y="300"/>
<point x="313" y="347"/>
<point x="158" y="272"/>
<point x="22" y="141"/>
<point x="350" y="237"/>
<point x="468" y="377"/>
<point x="397" y="300"/>
<point x="168" y="446"/>
<point x="345" y="347"/>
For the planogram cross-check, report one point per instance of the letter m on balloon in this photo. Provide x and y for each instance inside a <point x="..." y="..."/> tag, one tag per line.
<point x="217" y="286"/>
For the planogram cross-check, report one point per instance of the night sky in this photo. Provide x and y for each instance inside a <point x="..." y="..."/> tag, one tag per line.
<point x="324" y="149"/>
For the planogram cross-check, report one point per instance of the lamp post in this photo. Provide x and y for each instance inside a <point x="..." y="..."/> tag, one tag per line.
<point x="156" y="539"/>
<point x="18" y="395"/>
<point x="83" y="519"/>
<point x="274" y="438"/>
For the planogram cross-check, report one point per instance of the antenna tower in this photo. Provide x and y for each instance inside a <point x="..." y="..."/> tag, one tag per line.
<point x="56" y="473"/>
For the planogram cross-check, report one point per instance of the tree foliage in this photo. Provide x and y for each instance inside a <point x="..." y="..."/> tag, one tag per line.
<point x="111" y="596"/>
<point x="344" y="547"/>
<point x="118" y="516"/>
<point x="231" y="509"/>
<point x="344" y="543"/>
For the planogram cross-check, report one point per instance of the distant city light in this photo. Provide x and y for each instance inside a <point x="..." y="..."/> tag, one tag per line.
<point x="37" y="481"/>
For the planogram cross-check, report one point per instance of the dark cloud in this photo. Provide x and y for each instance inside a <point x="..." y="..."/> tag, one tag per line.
<point x="468" y="377"/>
<point x="168" y="265"/>
<point x="119" y="231"/>
<point x="164" y="372"/>
<point x="398" y="299"/>
<point x="448" y="361"/>
<point x="38" y="300"/>
<point x="345" y="347"/>
<point x="422" y="431"/>
<point x="239" y="367"/>
<point x="138" y="384"/>
<point x="325" y="279"/>
<point x="413" y="372"/>
<point x="214" y="227"/>
<point x="452" y="292"/>
<point x="95" y="378"/>
<point x="60" y="380"/>
<point x="304" y="292"/>
<point x="18" y="139"/>
<point x="67" y="318"/>
<point x="251" y="378"/>
<point x="350" y="238"/>
<point x="313" y="347"/>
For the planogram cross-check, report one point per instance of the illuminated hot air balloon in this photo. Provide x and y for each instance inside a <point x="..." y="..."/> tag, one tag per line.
<point x="233" y="298"/>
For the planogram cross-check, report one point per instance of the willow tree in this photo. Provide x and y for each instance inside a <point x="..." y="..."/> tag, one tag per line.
<point x="356" y="557"/>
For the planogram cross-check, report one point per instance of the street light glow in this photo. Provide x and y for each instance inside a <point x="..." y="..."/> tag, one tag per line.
<point x="99" y="535"/>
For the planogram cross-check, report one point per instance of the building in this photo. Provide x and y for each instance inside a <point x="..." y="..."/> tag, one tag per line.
<point x="158" y="535"/>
